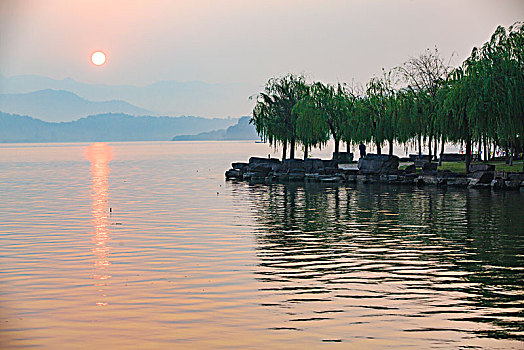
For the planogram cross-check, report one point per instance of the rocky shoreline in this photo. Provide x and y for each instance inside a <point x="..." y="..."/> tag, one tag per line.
<point x="373" y="168"/>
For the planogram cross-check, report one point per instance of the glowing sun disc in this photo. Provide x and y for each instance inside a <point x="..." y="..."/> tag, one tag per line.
<point x="98" y="58"/>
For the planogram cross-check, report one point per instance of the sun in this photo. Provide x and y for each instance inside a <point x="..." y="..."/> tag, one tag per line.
<point x="98" y="58"/>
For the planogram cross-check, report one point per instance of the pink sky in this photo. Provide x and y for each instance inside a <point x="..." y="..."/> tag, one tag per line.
<point x="237" y="41"/>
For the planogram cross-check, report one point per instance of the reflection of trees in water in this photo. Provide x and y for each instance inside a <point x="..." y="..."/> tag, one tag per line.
<point x="455" y="241"/>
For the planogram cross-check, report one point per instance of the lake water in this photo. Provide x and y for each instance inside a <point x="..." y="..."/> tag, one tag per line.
<point x="145" y="245"/>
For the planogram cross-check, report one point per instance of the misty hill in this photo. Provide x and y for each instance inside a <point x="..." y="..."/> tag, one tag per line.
<point x="240" y="131"/>
<point x="165" y="97"/>
<point x="104" y="127"/>
<point x="61" y="106"/>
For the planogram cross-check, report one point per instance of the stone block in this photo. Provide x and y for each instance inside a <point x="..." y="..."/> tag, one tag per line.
<point x="482" y="177"/>
<point x="420" y="162"/>
<point x="458" y="182"/>
<point x="239" y="166"/>
<point x="498" y="184"/>
<point x="429" y="167"/>
<point x="481" y="167"/>
<point x="500" y="175"/>
<point x="313" y="165"/>
<point x="296" y="176"/>
<point x="343" y="157"/>
<point x="312" y="177"/>
<point x="410" y="169"/>
<point x="330" y="179"/>
<point x="512" y="184"/>
<point x="453" y="157"/>
<point x="291" y="165"/>
<point x="351" y="178"/>
<point x="247" y="175"/>
<point x="475" y="183"/>
<point x="515" y="176"/>
<point x="430" y="179"/>
<point x="378" y="164"/>
<point x="257" y="160"/>
<point x="263" y="169"/>
<point x="234" y="174"/>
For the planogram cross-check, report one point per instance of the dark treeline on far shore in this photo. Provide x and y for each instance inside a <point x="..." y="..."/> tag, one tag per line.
<point x="424" y="101"/>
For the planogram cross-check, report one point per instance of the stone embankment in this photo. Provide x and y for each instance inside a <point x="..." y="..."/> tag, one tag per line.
<point x="371" y="169"/>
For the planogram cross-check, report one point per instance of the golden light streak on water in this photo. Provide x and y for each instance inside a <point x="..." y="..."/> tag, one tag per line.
<point x="100" y="154"/>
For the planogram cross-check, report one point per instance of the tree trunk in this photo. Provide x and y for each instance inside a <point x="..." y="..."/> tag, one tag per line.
<point x="379" y="151"/>
<point x="284" y="151"/>
<point x="468" y="153"/>
<point x="512" y="148"/>
<point x="485" y="149"/>
<point x="429" y="149"/>
<point x="506" y="154"/>
<point x="390" y="147"/>
<point x="305" y="152"/>
<point x="292" y="149"/>
<point x="337" y="145"/>
<point x="441" y="151"/>
<point x="420" y="145"/>
<point x="435" y="148"/>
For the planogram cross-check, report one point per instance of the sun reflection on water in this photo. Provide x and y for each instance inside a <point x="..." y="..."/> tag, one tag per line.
<point x="100" y="154"/>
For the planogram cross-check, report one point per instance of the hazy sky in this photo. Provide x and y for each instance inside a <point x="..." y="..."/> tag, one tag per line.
<point x="237" y="40"/>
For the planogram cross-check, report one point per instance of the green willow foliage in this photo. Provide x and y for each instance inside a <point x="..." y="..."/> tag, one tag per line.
<point x="273" y="115"/>
<point x="480" y="102"/>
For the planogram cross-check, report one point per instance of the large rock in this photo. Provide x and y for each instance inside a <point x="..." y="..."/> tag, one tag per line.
<point x="481" y="167"/>
<point x="453" y="157"/>
<point x="430" y="167"/>
<point x="314" y="165"/>
<point x="512" y="184"/>
<point x="482" y="177"/>
<point x="343" y="157"/>
<point x="515" y="176"/>
<point x="410" y="169"/>
<point x="457" y="182"/>
<point x="430" y="179"/>
<point x="421" y="162"/>
<point x="498" y="184"/>
<point x="239" y="166"/>
<point x="378" y="164"/>
<point x="290" y="165"/>
<point x="261" y="167"/>
<point x="275" y="163"/>
<point x="500" y="175"/>
<point x="296" y="175"/>
<point x="234" y="174"/>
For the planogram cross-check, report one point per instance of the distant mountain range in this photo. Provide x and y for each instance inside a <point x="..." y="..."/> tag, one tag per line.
<point x="62" y="106"/>
<point x="162" y="98"/>
<point x="240" y="131"/>
<point x="105" y="127"/>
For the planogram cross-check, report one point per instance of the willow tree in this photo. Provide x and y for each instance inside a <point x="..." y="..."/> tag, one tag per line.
<point x="485" y="97"/>
<point x="376" y="113"/>
<point x="323" y="112"/>
<point x="425" y="74"/>
<point x="273" y="115"/>
<point x="312" y="130"/>
<point x="496" y="73"/>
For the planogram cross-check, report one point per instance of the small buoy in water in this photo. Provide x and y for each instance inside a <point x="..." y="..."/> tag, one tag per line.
<point x="217" y="193"/>
<point x="110" y="209"/>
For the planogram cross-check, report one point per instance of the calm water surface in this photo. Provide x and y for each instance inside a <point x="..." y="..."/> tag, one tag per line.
<point x="145" y="245"/>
